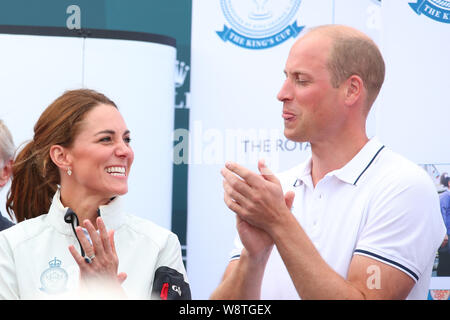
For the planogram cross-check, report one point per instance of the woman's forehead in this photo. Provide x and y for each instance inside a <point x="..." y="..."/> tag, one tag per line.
<point x="102" y="118"/>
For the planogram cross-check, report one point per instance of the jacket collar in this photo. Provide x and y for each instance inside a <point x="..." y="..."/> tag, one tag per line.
<point x="112" y="214"/>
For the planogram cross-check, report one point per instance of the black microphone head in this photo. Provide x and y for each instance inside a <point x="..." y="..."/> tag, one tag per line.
<point x="70" y="216"/>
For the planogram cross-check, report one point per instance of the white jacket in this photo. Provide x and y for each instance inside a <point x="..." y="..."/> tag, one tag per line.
<point x="35" y="262"/>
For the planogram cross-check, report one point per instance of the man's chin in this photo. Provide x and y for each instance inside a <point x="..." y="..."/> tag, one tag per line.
<point x="294" y="137"/>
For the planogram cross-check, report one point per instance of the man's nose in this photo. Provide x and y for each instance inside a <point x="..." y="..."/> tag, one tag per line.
<point x="285" y="92"/>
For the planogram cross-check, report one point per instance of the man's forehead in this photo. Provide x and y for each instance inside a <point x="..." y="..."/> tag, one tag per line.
<point x="308" y="50"/>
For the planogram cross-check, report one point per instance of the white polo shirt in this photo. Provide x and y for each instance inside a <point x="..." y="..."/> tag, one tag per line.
<point x="379" y="204"/>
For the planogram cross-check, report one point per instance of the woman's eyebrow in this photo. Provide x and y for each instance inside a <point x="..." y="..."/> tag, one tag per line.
<point x="111" y="132"/>
<point x="105" y="131"/>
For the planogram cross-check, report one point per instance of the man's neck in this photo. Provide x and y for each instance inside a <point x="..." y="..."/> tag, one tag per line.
<point x="334" y="154"/>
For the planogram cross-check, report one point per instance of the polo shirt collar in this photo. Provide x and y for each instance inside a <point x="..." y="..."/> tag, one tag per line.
<point x="303" y="173"/>
<point x="349" y="173"/>
<point x="112" y="214"/>
<point x="353" y="170"/>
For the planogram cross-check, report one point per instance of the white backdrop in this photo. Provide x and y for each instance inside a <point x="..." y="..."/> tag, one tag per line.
<point x="415" y="109"/>
<point x="137" y="76"/>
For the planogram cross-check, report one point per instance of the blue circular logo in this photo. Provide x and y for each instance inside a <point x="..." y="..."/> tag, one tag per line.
<point x="259" y="18"/>
<point x="438" y="10"/>
<point x="443" y="4"/>
<point x="259" y="24"/>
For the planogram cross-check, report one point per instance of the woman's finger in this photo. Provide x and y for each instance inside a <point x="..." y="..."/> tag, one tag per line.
<point x="85" y="244"/>
<point x="95" y="239"/>
<point x="121" y="277"/>
<point x="78" y="258"/>
<point x="104" y="236"/>
<point x="111" y="241"/>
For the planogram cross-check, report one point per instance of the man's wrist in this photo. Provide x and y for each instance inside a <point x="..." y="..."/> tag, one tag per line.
<point x="278" y="230"/>
<point x="258" y="260"/>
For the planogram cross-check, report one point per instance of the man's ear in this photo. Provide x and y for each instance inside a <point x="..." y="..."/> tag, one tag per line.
<point x="5" y="173"/>
<point x="60" y="156"/>
<point x="354" y="88"/>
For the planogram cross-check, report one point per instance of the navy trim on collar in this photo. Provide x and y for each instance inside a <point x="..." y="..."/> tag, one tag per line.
<point x="376" y="154"/>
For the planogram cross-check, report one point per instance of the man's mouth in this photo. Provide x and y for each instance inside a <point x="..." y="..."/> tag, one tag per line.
<point x="288" y="116"/>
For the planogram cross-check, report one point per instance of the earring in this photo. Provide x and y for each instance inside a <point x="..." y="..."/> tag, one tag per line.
<point x="69" y="171"/>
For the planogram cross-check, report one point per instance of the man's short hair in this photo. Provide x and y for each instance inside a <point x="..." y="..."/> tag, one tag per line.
<point x="7" y="147"/>
<point x="354" y="53"/>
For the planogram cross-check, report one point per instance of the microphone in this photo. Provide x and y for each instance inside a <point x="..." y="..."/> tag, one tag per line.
<point x="71" y="218"/>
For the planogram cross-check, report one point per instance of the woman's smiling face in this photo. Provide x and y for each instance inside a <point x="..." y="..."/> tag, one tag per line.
<point x="101" y="154"/>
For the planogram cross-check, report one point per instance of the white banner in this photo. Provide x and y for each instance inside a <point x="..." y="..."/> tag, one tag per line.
<point x="414" y="114"/>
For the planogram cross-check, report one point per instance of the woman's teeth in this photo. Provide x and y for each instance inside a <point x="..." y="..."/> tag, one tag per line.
<point x="116" y="171"/>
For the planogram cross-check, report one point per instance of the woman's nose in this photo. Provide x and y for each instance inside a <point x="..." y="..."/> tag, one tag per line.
<point x="123" y="149"/>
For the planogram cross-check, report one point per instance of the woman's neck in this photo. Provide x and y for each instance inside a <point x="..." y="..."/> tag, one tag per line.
<point x="85" y="206"/>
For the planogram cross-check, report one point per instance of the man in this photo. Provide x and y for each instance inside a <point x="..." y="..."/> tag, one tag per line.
<point x="355" y="221"/>
<point x="6" y="160"/>
<point x="443" y="269"/>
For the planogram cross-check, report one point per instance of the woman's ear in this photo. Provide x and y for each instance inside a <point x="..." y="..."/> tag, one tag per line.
<point x="60" y="157"/>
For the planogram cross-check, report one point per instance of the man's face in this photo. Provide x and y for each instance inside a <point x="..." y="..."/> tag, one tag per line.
<point x="310" y="103"/>
<point x="5" y="172"/>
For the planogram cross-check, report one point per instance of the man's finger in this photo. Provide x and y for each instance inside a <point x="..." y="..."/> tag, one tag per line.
<point x="266" y="172"/>
<point x="289" y="198"/>
<point x="247" y="175"/>
<point x="233" y="205"/>
<point x="236" y="183"/>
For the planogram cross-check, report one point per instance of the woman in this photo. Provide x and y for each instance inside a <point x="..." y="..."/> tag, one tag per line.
<point x="73" y="172"/>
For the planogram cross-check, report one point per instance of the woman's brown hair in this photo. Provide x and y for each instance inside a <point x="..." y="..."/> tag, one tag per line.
<point x="35" y="176"/>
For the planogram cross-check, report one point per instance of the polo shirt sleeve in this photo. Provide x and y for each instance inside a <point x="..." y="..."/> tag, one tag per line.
<point x="403" y="227"/>
<point x="235" y="253"/>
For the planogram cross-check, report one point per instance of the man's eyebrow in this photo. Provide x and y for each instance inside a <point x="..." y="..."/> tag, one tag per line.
<point x="296" y="73"/>
<point x="299" y="73"/>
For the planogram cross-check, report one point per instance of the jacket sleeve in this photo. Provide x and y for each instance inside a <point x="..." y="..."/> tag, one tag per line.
<point x="170" y="279"/>
<point x="8" y="281"/>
